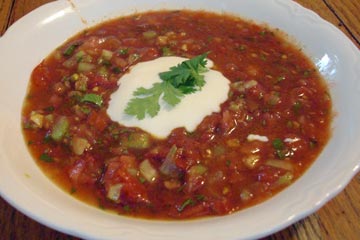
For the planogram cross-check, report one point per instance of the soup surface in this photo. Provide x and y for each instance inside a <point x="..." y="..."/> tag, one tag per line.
<point x="273" y="124"/>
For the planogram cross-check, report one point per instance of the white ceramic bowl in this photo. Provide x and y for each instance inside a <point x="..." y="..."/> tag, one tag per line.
<point x="24" y="186"/>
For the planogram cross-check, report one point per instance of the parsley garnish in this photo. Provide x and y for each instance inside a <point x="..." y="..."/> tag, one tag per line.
<point x="185" y="78"/>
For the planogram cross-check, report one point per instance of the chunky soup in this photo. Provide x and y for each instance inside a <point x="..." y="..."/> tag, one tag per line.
<point x="273" y="124"/>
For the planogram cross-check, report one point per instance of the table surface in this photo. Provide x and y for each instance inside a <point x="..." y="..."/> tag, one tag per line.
<point x="338" y="219"/>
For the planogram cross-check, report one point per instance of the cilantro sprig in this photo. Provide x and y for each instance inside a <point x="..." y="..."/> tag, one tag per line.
<point x="185" y="78"/>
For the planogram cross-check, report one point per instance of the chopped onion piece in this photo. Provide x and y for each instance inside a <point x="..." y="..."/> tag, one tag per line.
<point x="291" y="140"/>
<point x="255" y="137"/>
<point x="168" y="167"/>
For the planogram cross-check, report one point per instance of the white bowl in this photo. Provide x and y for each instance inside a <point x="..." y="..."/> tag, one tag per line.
<point x="24" y="186"/>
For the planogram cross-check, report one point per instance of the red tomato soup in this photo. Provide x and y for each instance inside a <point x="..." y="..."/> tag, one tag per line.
<point x="273" y="125"/>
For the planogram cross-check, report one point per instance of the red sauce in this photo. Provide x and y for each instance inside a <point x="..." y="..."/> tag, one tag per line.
<point x="276" y="92"/>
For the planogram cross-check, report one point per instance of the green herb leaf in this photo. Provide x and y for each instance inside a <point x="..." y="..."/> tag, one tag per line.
<point x="185" y="204"/>
<point x="124" y="51"/>
<point x="187" y="75"/>
<point x="73" y="190"/>
<point x="92" y="98"/>
<point x="46" y="157"/>
<point x="49" y="109"/>
<point x="185" y="78"/>
<point x="139" y="107"/>
<point x="171" y="95"/>
<point x="69" y="51"/>
<point x="278" y="144"/>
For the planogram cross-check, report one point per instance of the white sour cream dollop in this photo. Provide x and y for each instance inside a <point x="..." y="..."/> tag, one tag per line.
<point x="188" y="113"/>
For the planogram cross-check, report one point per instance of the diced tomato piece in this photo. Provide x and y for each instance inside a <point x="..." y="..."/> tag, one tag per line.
<point x="99" y="120"/>
<point x="84" y="171"/>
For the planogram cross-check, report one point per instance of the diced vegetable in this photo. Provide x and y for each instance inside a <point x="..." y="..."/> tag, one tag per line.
<point x="162" y="40"/>
<point x="37" y="119"/>
<point x="280" y="79"/>
<point x="274" y="98"/>
<point x="148" y="171"/>
<point x="251" y="161"/>
<point x="60" y="128"/>
<point x="237" y="105"/>
<point x="86" y="58"/>
<point x="285" y="179"/>
<point x="85" y="67"/>
<point x="283" y="164"/>
<point x="79" y="55"/>
<point x="166" y="51"/>
<point x="71" y="62"/>
<point x="197" y="170"/>
<point x="106" y="54"/>
<point x="81" y="84"/>
<point x="57" y="55"/>
<point x="296" y="107"/>
<point x="168" y="167"/>
<point x="103" y="71"/>
<point x="114" y="192"/>
<point x="234" y="142"/>
<point x="79" y="145"/>
<point x="218" y="150"/>
<point x="246" y="195"/>
<point x="195" y="178"/>
<point x="238" y="86"/>
<point x="133" y="58"/>
<point x="48" y="121"/>
<point x="137" y="140"/>
<point x="132" y="171"/>
<point x="172" y="184"/>
<point x="149" y="34"/>
<point x="250" y="84"/>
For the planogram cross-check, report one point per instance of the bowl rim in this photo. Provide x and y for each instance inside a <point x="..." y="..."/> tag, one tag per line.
<point x="51" y="12"/>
